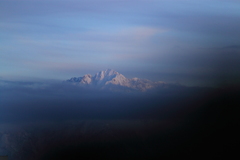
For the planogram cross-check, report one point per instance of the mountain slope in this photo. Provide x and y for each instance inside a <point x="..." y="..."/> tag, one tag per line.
<point x="110" y="79"/>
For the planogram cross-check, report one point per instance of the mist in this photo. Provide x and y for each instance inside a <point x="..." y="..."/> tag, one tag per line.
<point x="34" y="101"/>
<point x="78" y="121"/>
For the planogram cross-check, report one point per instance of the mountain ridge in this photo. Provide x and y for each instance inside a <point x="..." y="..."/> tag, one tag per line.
<point x="110" y="79"/>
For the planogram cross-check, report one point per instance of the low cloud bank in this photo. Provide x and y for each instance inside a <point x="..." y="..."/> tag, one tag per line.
<point x="30" y="101"/>
<point x="163" y="122"/>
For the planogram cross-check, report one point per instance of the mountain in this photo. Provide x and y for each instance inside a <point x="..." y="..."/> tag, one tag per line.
<point x="110" y="79"/>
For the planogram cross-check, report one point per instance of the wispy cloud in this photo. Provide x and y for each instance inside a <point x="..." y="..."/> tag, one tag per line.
<point x="232" y="47"/>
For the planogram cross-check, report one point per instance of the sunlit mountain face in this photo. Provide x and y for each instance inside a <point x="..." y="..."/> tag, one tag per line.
<point x="174" y="91"/>
<point x="110" y="79"/>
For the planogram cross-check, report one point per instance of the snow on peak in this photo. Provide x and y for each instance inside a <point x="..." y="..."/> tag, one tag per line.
<point x="86" y="79"/>
<point x="108" y="76"/>
<point x="110" y="72"/>
<point x="111" y="77"/>
<point x="102" y="74"/>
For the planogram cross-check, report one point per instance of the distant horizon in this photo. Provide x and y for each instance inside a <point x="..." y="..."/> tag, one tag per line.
<point x="180" y="80"/>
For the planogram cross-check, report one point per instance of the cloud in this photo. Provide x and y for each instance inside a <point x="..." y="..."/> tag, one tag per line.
<point x="232" y="47"/>
<point x="140" y="33"/>
<point x="31" y="101"/>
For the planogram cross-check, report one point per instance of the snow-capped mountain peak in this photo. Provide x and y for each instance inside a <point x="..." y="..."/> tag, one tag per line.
<point x="109" y="73"/>
<point x="111" y="78"/>
<point x="105" y="77"/>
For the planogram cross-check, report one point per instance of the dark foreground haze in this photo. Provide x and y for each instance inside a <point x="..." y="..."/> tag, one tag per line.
<point x="61" y="121"/>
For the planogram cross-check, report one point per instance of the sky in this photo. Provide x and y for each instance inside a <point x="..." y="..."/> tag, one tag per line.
<point x="192" y="42"/>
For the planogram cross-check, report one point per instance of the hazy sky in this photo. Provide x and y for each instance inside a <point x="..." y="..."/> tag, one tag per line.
<point x="188" y="41"/>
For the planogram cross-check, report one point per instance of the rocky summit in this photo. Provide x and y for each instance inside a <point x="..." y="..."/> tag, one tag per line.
<point x="110" y="79"/>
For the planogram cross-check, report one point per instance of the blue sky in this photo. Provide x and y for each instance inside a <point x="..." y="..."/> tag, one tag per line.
<point x="193" y="42"/>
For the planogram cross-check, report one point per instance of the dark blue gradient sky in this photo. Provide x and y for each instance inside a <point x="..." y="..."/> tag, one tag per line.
<point x="193" y="42"/>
